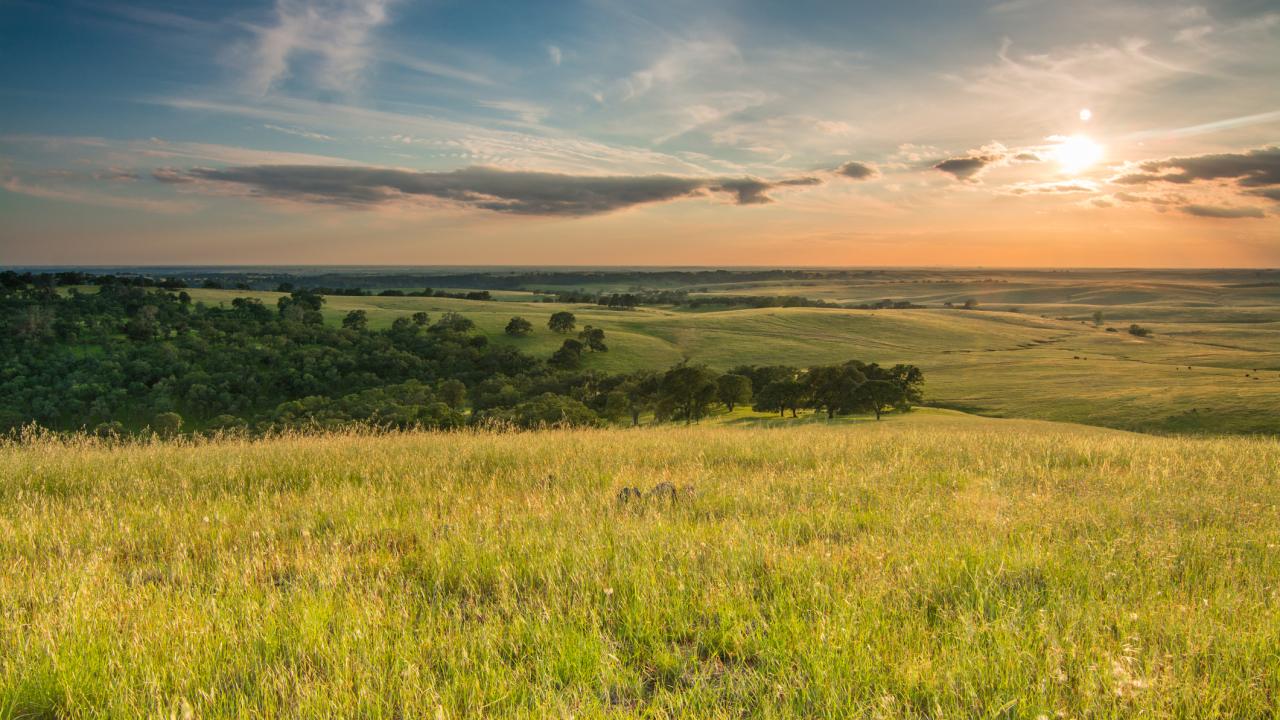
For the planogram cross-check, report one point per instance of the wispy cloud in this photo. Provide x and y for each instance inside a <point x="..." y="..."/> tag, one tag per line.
<point x="334" y="32"/>
<point x="299" y="132"/>
<point x="87" y="197"/>
<point x="528" y="113"/>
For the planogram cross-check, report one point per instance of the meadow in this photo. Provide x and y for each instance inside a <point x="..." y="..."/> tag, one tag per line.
<point x="1030" y="349"/>
<point x="932" y="565"/>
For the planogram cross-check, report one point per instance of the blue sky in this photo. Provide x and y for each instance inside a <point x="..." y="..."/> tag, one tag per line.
<point x="600" y="132"/>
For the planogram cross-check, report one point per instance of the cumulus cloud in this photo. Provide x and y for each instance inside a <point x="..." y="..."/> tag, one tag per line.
<point x="1213" y="211"/>
<point x="966" y="168"/>
<point x="504" y="191"/>
<point x="857" y="171"/>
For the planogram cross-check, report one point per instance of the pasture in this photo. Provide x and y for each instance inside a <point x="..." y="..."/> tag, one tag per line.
<point x="931" y="565"/>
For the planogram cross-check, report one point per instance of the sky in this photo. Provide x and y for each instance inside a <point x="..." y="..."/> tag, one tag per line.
<point x="621" y="132"/>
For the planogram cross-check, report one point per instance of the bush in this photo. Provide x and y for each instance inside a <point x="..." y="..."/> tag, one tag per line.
<point x="1139" y="331"/>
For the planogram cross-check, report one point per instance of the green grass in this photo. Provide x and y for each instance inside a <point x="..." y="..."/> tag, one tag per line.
<point x="931" y="565"/>
<point x="991" y="362"/>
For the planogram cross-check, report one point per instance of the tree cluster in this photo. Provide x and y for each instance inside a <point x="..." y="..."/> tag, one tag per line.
<point x="137" y="358"/>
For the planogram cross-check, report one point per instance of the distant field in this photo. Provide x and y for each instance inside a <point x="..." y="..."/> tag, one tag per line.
<point x="931" y="565"/>
<point x="1190" y="376"/>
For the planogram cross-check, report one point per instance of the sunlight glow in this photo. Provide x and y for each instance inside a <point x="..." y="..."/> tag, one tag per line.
<point x="1077" y="153"/>
<point x="1086" y="115"/>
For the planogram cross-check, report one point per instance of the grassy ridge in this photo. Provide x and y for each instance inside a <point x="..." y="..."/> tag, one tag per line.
<point x="934" y="565"/>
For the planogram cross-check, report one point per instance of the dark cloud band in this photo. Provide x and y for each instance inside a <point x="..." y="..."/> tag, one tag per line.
<point x="514" y="192"/>
<point x="1229" y="213"/>
<point x="1252" y="169"/>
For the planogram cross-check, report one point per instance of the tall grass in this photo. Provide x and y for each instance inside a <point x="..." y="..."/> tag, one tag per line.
<point x="931" y="566"/>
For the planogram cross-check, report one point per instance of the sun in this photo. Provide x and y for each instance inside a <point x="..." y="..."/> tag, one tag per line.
<point x="1077" y="153"/>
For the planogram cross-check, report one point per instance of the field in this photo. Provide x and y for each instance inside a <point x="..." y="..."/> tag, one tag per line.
<point x="1030" y="350"/>
<point x="932" y="565"/>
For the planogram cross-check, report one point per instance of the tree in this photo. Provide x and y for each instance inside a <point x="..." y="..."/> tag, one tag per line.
<point x="1098" y="318"/>
<point x="733" y="389"/>
<point x="551" y="410"/>
<point x="420" y="319"/>
<point x="168" y="423"/>
<point x="453" y="322"/>
<point x="518" y="327"/>
<point x="562" y="322"/>
<point x="143" y="325"/>
<point x="452" y="393"/>
<point x="833" y="388"/>
<point x="228" y="424"/>
<point x="403" y="330"/>
<point x="688" y="390"/>
<point x="879" y="395"/>
<point x="568" y="357"/>
<point x="970" y="304"/>
<point x="781" y="395"/>
<point x="1139" y="331"/>
<point x="593" y="338"/>
<point x="641" y="393"/>
<point x="357" y="320"/>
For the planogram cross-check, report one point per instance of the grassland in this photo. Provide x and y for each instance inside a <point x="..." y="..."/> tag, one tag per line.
<point x="932" y="565"/>
<point x="1212" y="365"/>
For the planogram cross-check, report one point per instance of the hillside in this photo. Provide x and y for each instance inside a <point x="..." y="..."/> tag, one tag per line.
<point x="1203" y="370"/>
<point x="932" y="564"/>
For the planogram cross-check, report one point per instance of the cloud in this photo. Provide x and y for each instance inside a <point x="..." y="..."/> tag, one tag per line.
<point x="299" y="132"/>
<point x="1055" y="188"/>
<point x="115" y="174"/>
<point x="556" y="56"/>
<point x="1269" y="193"/>
<point x="85" y="197"/>
<point x="171" y="176"/>
<point x="1158" y="200"/>
<point x="857" y="171"/>
<point x="966" y="168"/>
<point x="800" y="181"/>
<point x="528" y="113"/>
<point x="485" y="188"/>
<point x="833" y="127"/>
<point x="1212" y="211"/>
<point x="1254" y="173"/>
<point x="1255" y="168"/>
<point x="336" y="32"/>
